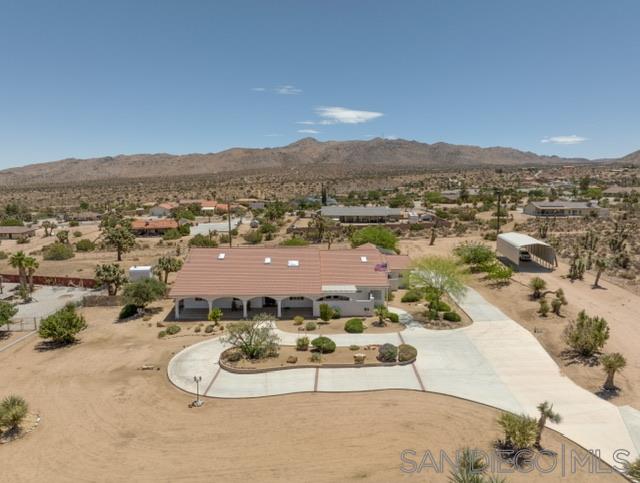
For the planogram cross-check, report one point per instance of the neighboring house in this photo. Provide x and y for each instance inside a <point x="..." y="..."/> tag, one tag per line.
<point x="362" y="214"/>
<point x="252" y="203"/>
<point x="84" y="216"/>
<point x="16" y="232"/>
<point x="153" y="227"/>
<point x="163" y="209"/>
<point x="277" y="278"/>
<point x="564" y="209"/>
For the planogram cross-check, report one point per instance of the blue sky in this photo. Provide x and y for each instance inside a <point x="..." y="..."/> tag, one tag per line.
<point x="88" y="78"/>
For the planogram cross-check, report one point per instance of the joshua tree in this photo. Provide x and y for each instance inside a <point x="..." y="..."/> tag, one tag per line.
<point x="63" y="236"/>
<point x="17" y="261"/>
<point x="546" y="413"/>
<point x="48" y="227"/>
<point x="577" y="267"/>
<point x="215" y="315"/>
<point x="167" y="265"/>
<point x="544" y="308"/>
<point x="602" y="263"/>
<point x="111" y="275"/>
<point x="537" y="285"/>
<point x="558" y="301"/>
<point x="612" y="363"/>
<point x="121" y="238"/>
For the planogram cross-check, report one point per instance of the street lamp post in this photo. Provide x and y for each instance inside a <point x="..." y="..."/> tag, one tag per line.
<point x="197" y="403"/>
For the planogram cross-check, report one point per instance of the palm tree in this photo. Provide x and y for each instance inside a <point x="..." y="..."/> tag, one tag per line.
<point x="17" y="261"/>
<point x="612" y="363"/>
<point x="31" y="265"/>
<point x="546" y="413"/>
<point x="13" y="410"/>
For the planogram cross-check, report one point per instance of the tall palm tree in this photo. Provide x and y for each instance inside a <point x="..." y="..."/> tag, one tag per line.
<point x="17" y="261"/>
<point x="546" y="413"/>
<point x="30" y="266"/>
<point x="612" y="363"/>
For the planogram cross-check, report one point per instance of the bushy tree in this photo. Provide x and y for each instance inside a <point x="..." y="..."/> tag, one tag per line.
<point x="167" y="265"/>
<point x="58" y="251"/>
<point x="7" y="312"/>
<point x="142" y="292"/>
<point x="378" y="235"/>
<point x="121" y="238"/>
<point x="111" y="275"/>
<point x="254" y="338"/>
<point x="202" y="241"/>
<point x="62" y="326"/>
<point x="437" y="276"/>
<point x="586" y="335"/>
<point x="474" y="253"/>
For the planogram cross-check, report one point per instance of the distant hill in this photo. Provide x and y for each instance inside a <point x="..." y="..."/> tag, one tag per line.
<point x="306" y="153"/>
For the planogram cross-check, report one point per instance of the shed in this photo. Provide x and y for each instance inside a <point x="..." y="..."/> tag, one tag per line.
<point x="140" y="272"/>
<point x="510" y="245"/>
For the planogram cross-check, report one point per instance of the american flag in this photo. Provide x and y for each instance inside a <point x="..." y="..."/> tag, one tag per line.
<point x="380" y="267"/>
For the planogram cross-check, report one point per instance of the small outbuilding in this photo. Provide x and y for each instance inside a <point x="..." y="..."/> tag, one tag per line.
<point x="520" y="248"/>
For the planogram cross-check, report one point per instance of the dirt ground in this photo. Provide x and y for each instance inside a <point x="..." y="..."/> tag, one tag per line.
<point x="336" y="326"/>
<point x="104" y="419"/>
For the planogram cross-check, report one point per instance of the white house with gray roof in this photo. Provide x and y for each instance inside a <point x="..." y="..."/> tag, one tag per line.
<point x="362" y="214"/>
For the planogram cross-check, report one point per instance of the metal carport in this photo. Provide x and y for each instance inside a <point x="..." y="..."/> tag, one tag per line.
<point x="510" y="244"/>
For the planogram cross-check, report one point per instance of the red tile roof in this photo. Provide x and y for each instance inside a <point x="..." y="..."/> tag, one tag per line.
<point x="243" y="271"/>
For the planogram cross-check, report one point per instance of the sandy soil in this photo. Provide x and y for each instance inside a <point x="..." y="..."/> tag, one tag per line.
<point x="104" y="419"/>
<point x="336" y="326"/>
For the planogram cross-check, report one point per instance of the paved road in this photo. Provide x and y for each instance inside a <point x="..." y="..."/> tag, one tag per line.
<point x="494" y="361"/>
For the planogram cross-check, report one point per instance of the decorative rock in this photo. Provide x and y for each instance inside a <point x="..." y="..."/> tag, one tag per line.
<point x="359" y="358"/>
<point x="292" y="359"/>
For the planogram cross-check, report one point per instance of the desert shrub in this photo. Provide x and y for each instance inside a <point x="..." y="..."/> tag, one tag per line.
<point x="202" y="241"/>
<point x="354" y="347"/>
<point x="162" y="334"/>
<point x="411" y="296"/>
<point x="298" y="320"/>
<point x="62" y="326"/>
<point x="537" y="284"/>
<point x="316" y="357"/>
<point x="519" y="430"/>
<point x="184" y="229"/>
<point x="127" y="311"/>
<point x="544" y="307"/>
<point x="302" y="343"/>
<point x="335" y="312"/>
<point x="326" y="312"/>
<point x="142" y="292"/>
<point x="294" y="242"/>
<point x="354" y="326"/>
<point x="311" y="325"/>
<point x="215" y="315"/>
<point x="393" y="317"/>
<point x="77" y="234"/>
<point x="452" y="316"/>
<point x="85" y="245"/>
<point x="13" y="410"/>
<point x="255" y="338"/>
<point x="58" y="251"/>
<point x="172" y="234"/>
<point x="233" y="355"/>
<point x="586" y="335"/>
<point x="7" y="311"/>
<point x="439" y="306"/>
<point x="197" y="329"/>
<point x="324" y="345"/>
<point x="406" y="352"/>
<point x="22" y="240"/>
<point x="3" y="255"/>
<point x="173" y="329"/>
<point x="387" y="353"/>
<point x="74" y="223"/>
<point x="253" y="237"/>
<point x="209" y="328"/>
<point x="474" y="253"/>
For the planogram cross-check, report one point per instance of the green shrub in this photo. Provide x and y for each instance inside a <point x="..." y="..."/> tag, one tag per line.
<point x="302" y="343"/>
<point x="127" y="311"/>
<point x="326" y="312"/>
<point x="74" y="223"/>
<point x="378" y="235"/>
<point x="209" y="328"/>
<point x="311" y="325"/>
<point x="324" y="345"/>
<point x="62" y="326"/>
<point x="354" y="347"/>
<point x="77" y="234"/>
<point x="411" y="296"/>
<point x="586" y="335"/>
<point x="202" y="241"/>
<point x="316" y="357"/>
<point x="294" y="242"/>
<point x="452" y="316"/>
<point x="393" y="317"/>
<point x="406" y="353"/>
<point x="3" y="255"/>
<point x="298" y="320"/>
<point x="440" y="306"/>
<point x="58" y="251"/>
<point x="13" y="410"/>
<point x="474" y="253"/>
<point x="162" y="334"/>
<point x="184" y="229"/>
<point x="387" y="353"/>
<point x="354" y="326"/>
<point x="335" y="312"/>
<point x="173" y="329"/>
<point x="85" y="245"/>
<point x="197" y="329"/>
<point x="172" y="234"/>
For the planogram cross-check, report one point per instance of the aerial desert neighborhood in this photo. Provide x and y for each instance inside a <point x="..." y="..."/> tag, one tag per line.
<point x="295" y="241"/>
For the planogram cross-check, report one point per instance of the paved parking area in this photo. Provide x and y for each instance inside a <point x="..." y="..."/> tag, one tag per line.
<point x="494" y="361"/>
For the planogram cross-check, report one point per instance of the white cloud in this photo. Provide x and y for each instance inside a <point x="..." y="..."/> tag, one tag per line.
<point x="573" y="139"/>
<point x="308" y="131"/>
<point x="306" y="123"/>
<point x="288" y="90"/>
<point x="258" y="89"/>
<point x="342" y="115"/>
<point x="273" y="135"/>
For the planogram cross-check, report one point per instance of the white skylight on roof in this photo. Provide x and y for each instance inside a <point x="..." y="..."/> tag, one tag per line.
<point x="267" y="260"/>
<point x="293" y="263"/>
<point x="363" y="259"/>
<point x="221" y="256"/>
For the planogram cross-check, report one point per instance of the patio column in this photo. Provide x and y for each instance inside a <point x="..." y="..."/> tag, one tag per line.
<point x="177" y="309"/>
<point x="244" y="309"/>
<point x="210" y="302"/>
<point x="279" y="305"/>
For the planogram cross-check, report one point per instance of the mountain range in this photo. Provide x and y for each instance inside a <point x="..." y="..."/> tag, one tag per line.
<point x="307" y="154"/>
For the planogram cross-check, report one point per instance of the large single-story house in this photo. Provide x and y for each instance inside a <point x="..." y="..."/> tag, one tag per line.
<point x="564" y="208"/>
<point x="362" y="214"/>
<point x="242" y="280"/>
<point x="16" y="232"/>
<point x="153" y="227"/>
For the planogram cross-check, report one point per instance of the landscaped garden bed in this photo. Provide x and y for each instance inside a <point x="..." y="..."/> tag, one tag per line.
<point x="336" y="326"/>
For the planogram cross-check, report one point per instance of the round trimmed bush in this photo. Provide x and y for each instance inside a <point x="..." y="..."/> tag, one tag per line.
<point x="387" y="353"/>
<point x="324" y="345"/>
<point x="335" y="312"/>
<point x="85" y="245"/>
<point x="393" y="317"/>
<point x="354" y="326"/>
<point x="127" y="311"/>
<point x="406" y="353"/>
<point x="162" y="333"/>
<point x="298" y="320"/>
<point x="311" y="325"/>
<point x="411" y="296"/>
<point x="452" y="316"/>
<point x="209" y="328"/>
<point x="440" y="306"/>
<point x="173" y="329"/>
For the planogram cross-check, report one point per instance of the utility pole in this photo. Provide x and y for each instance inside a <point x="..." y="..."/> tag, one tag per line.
<point x="498" y="193"/>
<point x="229" y="219"/>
